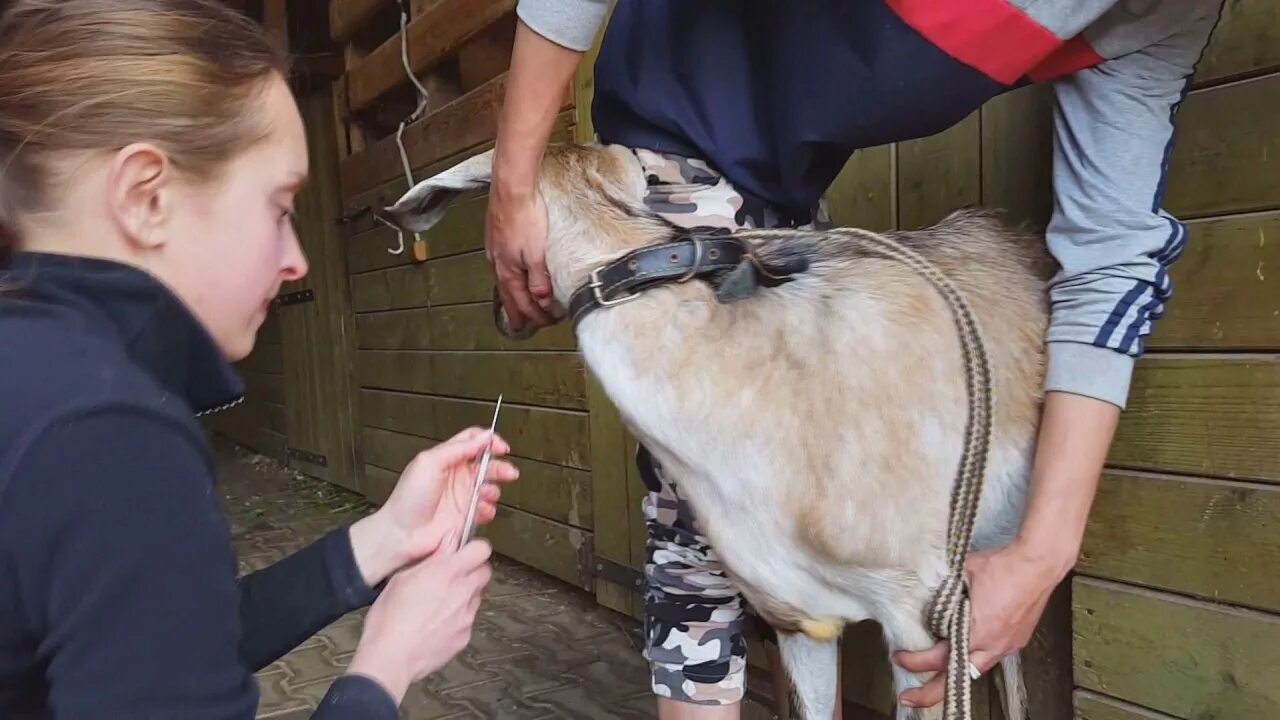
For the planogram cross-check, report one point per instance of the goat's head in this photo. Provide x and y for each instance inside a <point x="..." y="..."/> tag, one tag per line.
<point x="595" y="210"/>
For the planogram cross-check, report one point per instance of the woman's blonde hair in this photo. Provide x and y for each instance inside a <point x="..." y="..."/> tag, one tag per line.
<point x="85" y="75"/>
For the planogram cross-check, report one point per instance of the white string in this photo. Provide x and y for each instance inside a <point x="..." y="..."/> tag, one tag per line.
<point x="422" y="106"/>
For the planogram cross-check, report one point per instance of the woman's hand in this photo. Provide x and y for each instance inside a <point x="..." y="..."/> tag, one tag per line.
<point x="424" y="617"/>
<point x="429" y="502"/>
<point x="1008" y="590"/>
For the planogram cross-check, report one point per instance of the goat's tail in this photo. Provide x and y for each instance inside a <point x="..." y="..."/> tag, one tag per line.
<point x="1012" y="688"/>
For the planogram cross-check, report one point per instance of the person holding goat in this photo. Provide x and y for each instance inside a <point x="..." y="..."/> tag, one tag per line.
<point x="742" y="114"/>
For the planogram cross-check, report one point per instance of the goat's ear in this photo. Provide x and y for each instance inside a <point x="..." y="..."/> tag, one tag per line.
<point x="426" y="202"/>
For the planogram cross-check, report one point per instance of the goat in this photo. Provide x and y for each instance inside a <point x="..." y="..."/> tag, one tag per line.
<point x="815" y="425"/>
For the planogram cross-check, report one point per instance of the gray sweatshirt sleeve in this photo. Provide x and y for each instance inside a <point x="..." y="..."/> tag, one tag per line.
<point x="571" y="23"/>
<point x="1113" y="131"/>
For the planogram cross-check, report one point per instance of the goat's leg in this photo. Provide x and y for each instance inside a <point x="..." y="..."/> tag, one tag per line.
<point x="813" y="668"/>
<point x="904" y="630"/>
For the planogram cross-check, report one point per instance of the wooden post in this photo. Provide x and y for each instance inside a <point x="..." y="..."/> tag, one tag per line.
<point x="275" y="18"/>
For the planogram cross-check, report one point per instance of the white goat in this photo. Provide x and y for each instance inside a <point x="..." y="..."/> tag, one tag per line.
<point x="816" y="426"/>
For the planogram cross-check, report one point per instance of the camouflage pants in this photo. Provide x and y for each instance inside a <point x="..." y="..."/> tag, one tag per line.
<point x="693" y="614"/>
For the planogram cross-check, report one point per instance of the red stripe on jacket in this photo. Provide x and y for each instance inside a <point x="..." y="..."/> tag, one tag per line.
<point x="995" y="38"/>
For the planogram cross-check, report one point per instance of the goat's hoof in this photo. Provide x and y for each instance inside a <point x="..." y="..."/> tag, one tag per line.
<point x="822" y="630"/>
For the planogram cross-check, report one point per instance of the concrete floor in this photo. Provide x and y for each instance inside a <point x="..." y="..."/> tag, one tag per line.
<point x="541" y="649"/>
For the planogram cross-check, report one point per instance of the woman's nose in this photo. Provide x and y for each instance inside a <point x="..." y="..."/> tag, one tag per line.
<point x="295" y="261"/>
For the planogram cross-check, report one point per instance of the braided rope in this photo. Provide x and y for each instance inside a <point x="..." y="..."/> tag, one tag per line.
<point x="948" y="615"/>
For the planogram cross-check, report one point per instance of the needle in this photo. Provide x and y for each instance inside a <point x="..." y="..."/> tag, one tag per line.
<point x="475" y="490"/>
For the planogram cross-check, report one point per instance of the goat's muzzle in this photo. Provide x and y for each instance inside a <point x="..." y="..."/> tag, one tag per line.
<point x="503" y="323"/>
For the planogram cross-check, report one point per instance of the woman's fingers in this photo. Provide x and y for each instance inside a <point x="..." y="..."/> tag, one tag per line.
<point x="501" y="471"/>
<point x="463" y="448"/>
<point x="466" y="434"/>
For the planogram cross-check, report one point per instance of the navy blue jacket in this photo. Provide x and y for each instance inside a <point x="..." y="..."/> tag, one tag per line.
<point x="776" y="96"/>
<point x="118" y="580"/>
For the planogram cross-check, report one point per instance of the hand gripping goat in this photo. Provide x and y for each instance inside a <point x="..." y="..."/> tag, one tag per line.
<point x="848" y="413"/>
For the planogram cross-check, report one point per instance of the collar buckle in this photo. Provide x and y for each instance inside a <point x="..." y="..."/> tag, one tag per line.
<point x="697" y="260"/>
<point x="597" y="285"/>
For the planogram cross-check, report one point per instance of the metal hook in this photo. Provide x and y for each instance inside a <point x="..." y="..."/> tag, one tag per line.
<point x="399" y="233"/>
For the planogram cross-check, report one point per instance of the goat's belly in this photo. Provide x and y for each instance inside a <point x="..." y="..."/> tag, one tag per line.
<point x="779" y="573"/>
<point x="795" y="590"/>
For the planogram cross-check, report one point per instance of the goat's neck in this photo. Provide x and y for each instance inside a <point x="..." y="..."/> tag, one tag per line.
<point x="576" y="253"/>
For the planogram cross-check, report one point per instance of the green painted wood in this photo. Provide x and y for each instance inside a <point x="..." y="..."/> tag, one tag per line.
<point x="1046" y="660"/>
<point x="466" y="278"/>
<point x="559" y="437"/>
<point x="939" y="173"/>
<point x="862" y="195"/>
<point x="259" y="413"/>
<point x="264" y="387"/>
<point x="377" y="483"/>
<point x="1216" y="539"/>
<point x="269" y="333"/>
<point x="1182" y="657"/>
<point x="451" y="327"/>
<point x="266" y="357"/>
<point x="316" y="336"/>
<point x="1092" y="706"/>
<point x="1226" y="287"/>
<point x="545" y="379"/>
<point x="1245" y="43"/>
<point x="557" y="549"/>
<point x="357" y="206"/>
<point x="1203" y="415"/>
<point x="250" y="435"/>
<point x="460" y="230"/>
<point x="431" y="38"/>
<point x="1017" y="155"/>
<point x="613" y="504"/>
<point x="551" y="491"/>
<point x="1227" y="156"/>
<point x="386" y="193"/>
<point x="613" y="509"/>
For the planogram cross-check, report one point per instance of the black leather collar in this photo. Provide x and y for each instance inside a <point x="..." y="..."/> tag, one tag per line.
<point x="704" y="253"/>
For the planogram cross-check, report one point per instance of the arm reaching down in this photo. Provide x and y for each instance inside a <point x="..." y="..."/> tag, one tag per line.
<point x="551" y="38"/>
<point x="1113" y="132"/>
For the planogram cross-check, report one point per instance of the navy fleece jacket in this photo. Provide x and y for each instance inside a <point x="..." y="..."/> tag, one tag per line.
<point x="118" y="580"/>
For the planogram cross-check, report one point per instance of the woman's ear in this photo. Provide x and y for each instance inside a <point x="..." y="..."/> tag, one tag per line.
<point x="426" y="202"/>
<point x="139" y="182"/>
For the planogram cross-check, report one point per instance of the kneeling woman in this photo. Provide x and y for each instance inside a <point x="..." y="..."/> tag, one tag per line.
<point x="150" y="152"/>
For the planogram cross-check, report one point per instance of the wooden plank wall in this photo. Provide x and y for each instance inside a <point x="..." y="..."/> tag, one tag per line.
<point x="260" y="421"/>
<point x="297" y="390"/>
<point x="428" y="360"/>
<point x="1175" y="609"/>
